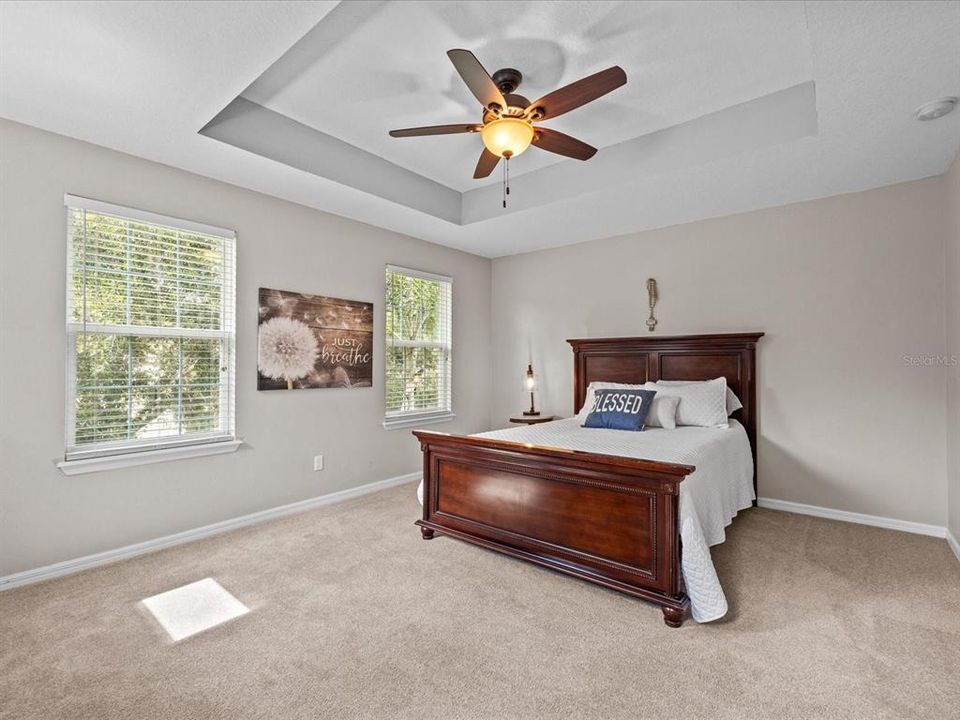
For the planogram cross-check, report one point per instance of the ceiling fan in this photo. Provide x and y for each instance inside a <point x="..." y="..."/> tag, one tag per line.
<point x="507" y="125"/>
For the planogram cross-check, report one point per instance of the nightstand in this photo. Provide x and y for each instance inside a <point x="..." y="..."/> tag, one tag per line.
<point x="532" y="419"/>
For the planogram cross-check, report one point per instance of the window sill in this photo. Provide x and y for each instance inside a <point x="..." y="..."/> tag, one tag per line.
<point x="417" y="420"/>
<point x="147" y="457"/>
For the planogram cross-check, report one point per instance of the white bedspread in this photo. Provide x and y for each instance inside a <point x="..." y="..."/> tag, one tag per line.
<point x="709" y="498"/>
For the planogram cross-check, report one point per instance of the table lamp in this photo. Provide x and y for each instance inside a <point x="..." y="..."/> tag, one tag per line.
<point x="530" y="386"/>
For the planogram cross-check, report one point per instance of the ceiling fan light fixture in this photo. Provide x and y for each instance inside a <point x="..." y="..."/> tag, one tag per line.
<point x="507" y="136"/>
<point x="507" y="128"/>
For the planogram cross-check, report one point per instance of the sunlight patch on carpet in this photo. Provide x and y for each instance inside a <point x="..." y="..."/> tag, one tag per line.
<point x="193" y="608"/>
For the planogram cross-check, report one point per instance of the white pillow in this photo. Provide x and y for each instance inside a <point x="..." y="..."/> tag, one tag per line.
<point x="663" y="410"/>
<point x="733" y="402"/>
<point x="702" y="404"/>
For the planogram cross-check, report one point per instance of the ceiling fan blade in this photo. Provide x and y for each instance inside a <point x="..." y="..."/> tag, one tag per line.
<point x="476" y="78"/>
<point x="578" y="93"/>
<point x="485" y="165"/>
<point x="561" y="144"/>
<point x="434" y="130"/>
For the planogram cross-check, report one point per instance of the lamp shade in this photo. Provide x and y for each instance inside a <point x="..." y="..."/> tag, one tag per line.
<point x="529" y="380"/>
<point x="507" y="137"/>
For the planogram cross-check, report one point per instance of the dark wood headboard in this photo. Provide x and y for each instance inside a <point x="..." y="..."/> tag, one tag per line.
<point x="636" y="360"/>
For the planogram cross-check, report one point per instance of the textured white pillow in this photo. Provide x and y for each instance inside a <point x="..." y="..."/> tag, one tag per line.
<point x="702" y="404"/>
<point x="733" y="402"/>
<point x="663" y="411"/>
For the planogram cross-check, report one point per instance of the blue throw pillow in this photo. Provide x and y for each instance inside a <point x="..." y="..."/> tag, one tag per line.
<point x="620" y="409"/>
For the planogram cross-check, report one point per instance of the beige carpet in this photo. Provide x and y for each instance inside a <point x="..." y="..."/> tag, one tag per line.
<point x="354" y="616"/>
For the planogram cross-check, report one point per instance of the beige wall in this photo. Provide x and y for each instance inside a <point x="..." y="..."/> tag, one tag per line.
<point x="844" y="287"/>
<point x="46" y="517"/>
<point x="951" y="188"/>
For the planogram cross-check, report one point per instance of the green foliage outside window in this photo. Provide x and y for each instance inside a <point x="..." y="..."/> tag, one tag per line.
<point x="418" y="344"/>
<point x="130" y="380"/>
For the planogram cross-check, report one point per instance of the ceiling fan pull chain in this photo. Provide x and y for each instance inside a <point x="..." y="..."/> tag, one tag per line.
<point x="503" y="184"/>
<point x="506" y="179"/>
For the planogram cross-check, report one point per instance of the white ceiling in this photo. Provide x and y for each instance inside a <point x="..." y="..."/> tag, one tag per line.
<point x="729" y="106"/>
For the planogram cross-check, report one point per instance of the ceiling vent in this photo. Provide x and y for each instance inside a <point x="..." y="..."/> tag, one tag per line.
<point x="936" y="108"/>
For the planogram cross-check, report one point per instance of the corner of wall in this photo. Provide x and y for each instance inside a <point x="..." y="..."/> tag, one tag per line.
<point x="951" y="187"/>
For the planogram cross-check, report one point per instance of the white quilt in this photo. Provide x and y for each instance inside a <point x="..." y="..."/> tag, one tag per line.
<point x="710" y="497"/>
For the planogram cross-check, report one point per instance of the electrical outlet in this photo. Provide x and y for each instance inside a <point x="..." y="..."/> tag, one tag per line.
<point x="318" y="462"/>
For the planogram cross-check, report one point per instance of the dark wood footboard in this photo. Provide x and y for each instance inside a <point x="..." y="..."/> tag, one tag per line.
<point x="606" y="519"/>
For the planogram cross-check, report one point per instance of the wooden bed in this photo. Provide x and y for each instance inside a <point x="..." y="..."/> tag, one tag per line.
<point x="607" y="519"/>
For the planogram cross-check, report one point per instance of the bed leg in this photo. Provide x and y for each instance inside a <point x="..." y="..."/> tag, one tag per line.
<point x="673" y="617"/>
<point x="427" y="533"/>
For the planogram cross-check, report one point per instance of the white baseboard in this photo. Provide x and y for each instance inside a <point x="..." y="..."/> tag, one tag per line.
<point x="953" y="543"/>
<point x="71" y="566"/>
<point x="859" y="518"/>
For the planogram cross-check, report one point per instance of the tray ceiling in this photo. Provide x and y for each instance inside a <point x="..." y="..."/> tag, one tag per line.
<point x="373" y="66"/>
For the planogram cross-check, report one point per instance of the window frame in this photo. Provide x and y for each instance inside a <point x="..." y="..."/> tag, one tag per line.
<point x="124" y="453"/>
<point x="399" y="420"/>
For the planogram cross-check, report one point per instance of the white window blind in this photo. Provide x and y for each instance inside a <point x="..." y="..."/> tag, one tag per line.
<point x="150" y="331"/>
<point x="418" y="344"/>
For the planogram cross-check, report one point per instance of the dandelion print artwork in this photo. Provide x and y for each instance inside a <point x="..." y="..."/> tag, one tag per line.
<point x="312" y="341"/>
<point x="288" y="349"/>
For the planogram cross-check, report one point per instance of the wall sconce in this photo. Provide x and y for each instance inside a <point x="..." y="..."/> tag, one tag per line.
<point x="652" y="292"/>
<point x="530" y="386"/>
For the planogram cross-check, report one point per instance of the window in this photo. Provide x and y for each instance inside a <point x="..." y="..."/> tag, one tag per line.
<point x="418" y="368"/>
<point x="150" y="333"/>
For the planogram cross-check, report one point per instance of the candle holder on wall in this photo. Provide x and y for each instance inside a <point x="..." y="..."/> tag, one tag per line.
<point x="652" y="292"/>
